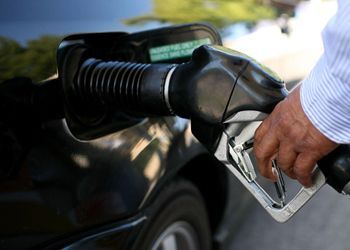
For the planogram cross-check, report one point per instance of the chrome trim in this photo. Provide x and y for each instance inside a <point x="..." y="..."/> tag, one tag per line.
<point x="240" y="129"/>
<point x="166" y="88"/>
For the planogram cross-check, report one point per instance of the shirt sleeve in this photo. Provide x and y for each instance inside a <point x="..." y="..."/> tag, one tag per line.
<point x="325" y="92"/>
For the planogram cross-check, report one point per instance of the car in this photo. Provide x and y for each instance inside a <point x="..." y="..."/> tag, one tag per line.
<point x="111" y="180"/>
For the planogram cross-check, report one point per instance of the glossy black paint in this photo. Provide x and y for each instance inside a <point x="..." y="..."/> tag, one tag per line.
<point x="119" y="235"/>
<point x="57" y="191"/>
<point x="64" y="185"/>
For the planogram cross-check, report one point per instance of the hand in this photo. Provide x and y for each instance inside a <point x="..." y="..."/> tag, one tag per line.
<point x="288" y="136"/>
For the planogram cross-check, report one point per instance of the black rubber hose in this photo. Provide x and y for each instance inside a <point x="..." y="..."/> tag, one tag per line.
<point x="128" y="86"/>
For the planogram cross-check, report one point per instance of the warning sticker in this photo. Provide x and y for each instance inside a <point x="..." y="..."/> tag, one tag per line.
<point x="176" y="50"/>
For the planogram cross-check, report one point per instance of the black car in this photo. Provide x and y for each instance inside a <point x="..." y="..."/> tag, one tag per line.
<point x="122" y="181"/>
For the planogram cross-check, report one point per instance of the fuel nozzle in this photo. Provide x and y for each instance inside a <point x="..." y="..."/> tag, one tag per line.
<point x="336" y="168"/>
<point x="215" y="84"/>
<point x="224" y="93"/>
<point x="218" y="83"/>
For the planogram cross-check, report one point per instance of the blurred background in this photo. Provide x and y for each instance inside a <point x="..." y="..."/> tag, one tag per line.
<point x="284" y="34"/>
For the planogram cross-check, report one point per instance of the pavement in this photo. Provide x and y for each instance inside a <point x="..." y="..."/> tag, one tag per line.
<point x="322" y="224"/>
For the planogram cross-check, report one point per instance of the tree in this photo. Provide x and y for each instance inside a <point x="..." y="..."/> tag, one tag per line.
<point x="220" y="13"/>
<point x="37" y="60"/>
<point x="9" y="49"/>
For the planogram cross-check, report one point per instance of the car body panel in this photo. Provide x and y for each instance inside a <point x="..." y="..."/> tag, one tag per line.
<point x="65" y="185"/>
<point x="57" y="191"/>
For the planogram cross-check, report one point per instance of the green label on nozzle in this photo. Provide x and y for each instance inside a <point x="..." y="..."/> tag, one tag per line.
<point x="176" y="50"/>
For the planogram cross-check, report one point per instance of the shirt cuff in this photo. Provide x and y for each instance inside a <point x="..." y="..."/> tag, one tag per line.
<point x="325" y="100"/>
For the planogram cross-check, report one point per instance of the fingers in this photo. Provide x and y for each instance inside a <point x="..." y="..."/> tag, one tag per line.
<point x="286" y="157"/>
<point x="289" y="135"/>
<point x="265" y="149"/>
<point x="303" y="168"/>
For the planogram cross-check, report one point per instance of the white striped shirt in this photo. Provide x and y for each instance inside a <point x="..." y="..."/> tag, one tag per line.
<point x="325" y="93"/>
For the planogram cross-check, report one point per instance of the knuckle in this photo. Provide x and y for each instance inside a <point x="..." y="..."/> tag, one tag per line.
<point x="291" y="174"/>
<point x="305" y="182"/>
<point x="260" y="153"/>
<point x="301" y="172"/>
<point x="284" y="122"/>
<point x="285" y="166"/>
<point x="266" y="172"/>
<point x="283" y="161"/>
<point x="258" y="134"/>
<point x="263" y="171"/>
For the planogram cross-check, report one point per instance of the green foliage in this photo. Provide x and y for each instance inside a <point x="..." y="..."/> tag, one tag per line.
<point x="218" y="12"/>
<point x="37" y="60"/>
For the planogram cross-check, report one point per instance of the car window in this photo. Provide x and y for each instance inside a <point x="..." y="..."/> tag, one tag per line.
<point x="31" y="30"/>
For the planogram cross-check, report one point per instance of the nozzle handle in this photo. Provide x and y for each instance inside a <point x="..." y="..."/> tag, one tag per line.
<point x="336" y="168"/>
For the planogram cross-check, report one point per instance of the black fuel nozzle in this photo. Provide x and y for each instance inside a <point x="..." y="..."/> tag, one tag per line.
<point x="212" y="90"/>
<point x="336" y="167"/>
<point x="213" y="85"/>
<point x="218" y="83"/>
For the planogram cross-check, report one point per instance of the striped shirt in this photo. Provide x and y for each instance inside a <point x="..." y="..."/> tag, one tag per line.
<point x="325" y="92"/>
